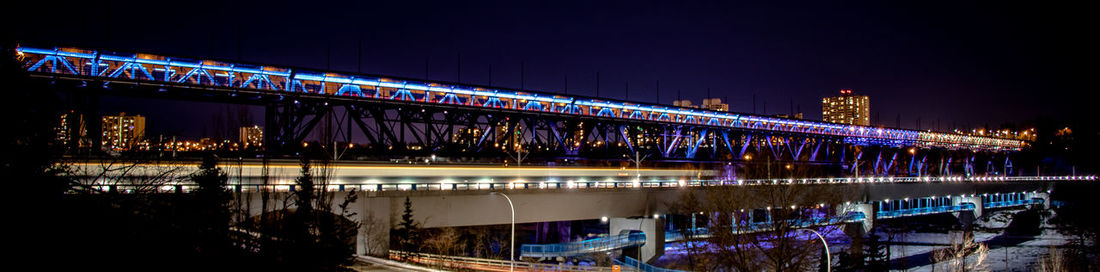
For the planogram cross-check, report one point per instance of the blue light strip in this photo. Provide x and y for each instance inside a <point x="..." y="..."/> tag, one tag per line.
<point x="423" y="92"/>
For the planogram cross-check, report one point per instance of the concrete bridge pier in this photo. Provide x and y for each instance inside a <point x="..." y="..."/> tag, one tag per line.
<point x="856" y="234"/>
<point x="654" y="229"/>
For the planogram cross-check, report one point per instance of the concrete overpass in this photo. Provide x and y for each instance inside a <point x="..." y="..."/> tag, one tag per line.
<point x="627" y="199"/>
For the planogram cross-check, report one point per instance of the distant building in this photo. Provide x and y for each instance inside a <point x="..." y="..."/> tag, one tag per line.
<point x="847" y="109"/>
<point x="788" y="116"/>
<point x="715" y="104"/>
<point x="252" y="136"/>
<point x="466" y="136"/>
<point x="683" y="103"/>
<point x="123" y="132"/>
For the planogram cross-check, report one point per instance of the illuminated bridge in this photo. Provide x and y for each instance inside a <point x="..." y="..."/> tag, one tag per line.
<point x="406" y="116"/>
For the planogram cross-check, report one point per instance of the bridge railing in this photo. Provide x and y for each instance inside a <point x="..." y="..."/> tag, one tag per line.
<point x="849" y="217"/>
<point x="677" y="235"/>
<point x="459" y="262"/>
<point x="583" y="247"/>
<point x="925" y="210"/>
<point x="1011" y="203"/>
<point x="186" y="186"/>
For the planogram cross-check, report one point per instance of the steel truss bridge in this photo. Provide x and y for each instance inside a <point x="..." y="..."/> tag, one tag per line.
<point x="406" y="116"/>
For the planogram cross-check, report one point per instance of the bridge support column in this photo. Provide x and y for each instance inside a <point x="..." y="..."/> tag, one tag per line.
<point x="654" y="235"/>
<point x="868" y="214"/>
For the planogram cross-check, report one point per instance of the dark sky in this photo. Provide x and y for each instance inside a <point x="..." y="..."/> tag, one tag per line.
<point x="967" y="63"/>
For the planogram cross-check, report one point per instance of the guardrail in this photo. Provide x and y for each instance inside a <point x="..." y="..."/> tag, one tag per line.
<point x="850" y="217"/>
<point x="186" y="186"/>
<point x="489" y="264"/>
<point x="583" y="247"/>
<point x="644" y="267"/>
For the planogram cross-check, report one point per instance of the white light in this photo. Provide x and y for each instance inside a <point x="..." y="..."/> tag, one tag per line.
<point x="655" y="216"/>
<point x="603" y="219"/>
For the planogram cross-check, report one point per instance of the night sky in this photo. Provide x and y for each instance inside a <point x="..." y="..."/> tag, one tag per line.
<point x="964" y="63"/>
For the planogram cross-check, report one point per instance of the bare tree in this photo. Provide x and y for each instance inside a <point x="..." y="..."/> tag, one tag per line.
<point x="954" y="257"/>
<point x="1053" y="261"/>
<point x="695" y="251"/>
<point x="755" y="227"/>
<point x="444" y="241"/>
<point x="375" y="230"/>
<point x="136" y="175"/>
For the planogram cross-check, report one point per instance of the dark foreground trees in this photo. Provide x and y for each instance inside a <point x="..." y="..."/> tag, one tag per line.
<point x="303" y="230"/>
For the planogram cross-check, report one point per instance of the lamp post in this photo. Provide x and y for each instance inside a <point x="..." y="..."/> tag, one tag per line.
<point x="637" y="160"/>
<point x="828" y="257"/>
<point x="512" y="247"/>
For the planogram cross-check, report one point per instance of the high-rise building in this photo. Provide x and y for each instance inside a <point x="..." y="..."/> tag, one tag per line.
<point x="72" y="130"/>
<point x="252" y="136"/>
<point x="847" y="109"/>
<point x="123" y="132"/>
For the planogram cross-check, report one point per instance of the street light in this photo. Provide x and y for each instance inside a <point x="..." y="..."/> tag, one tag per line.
<point x="828" y="257"/>
<point x="512" y="247"/>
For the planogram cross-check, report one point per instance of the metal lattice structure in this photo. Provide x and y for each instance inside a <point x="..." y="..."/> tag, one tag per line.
<point x="440" y="117"/>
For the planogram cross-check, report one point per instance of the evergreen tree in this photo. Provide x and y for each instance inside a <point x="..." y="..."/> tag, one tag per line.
<point x="846" y="262"/>
<point x="407" y="232"/>
<point x="212" y="214"/>
<point x="875" y="253"/>
<point x="312" y="238"/>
